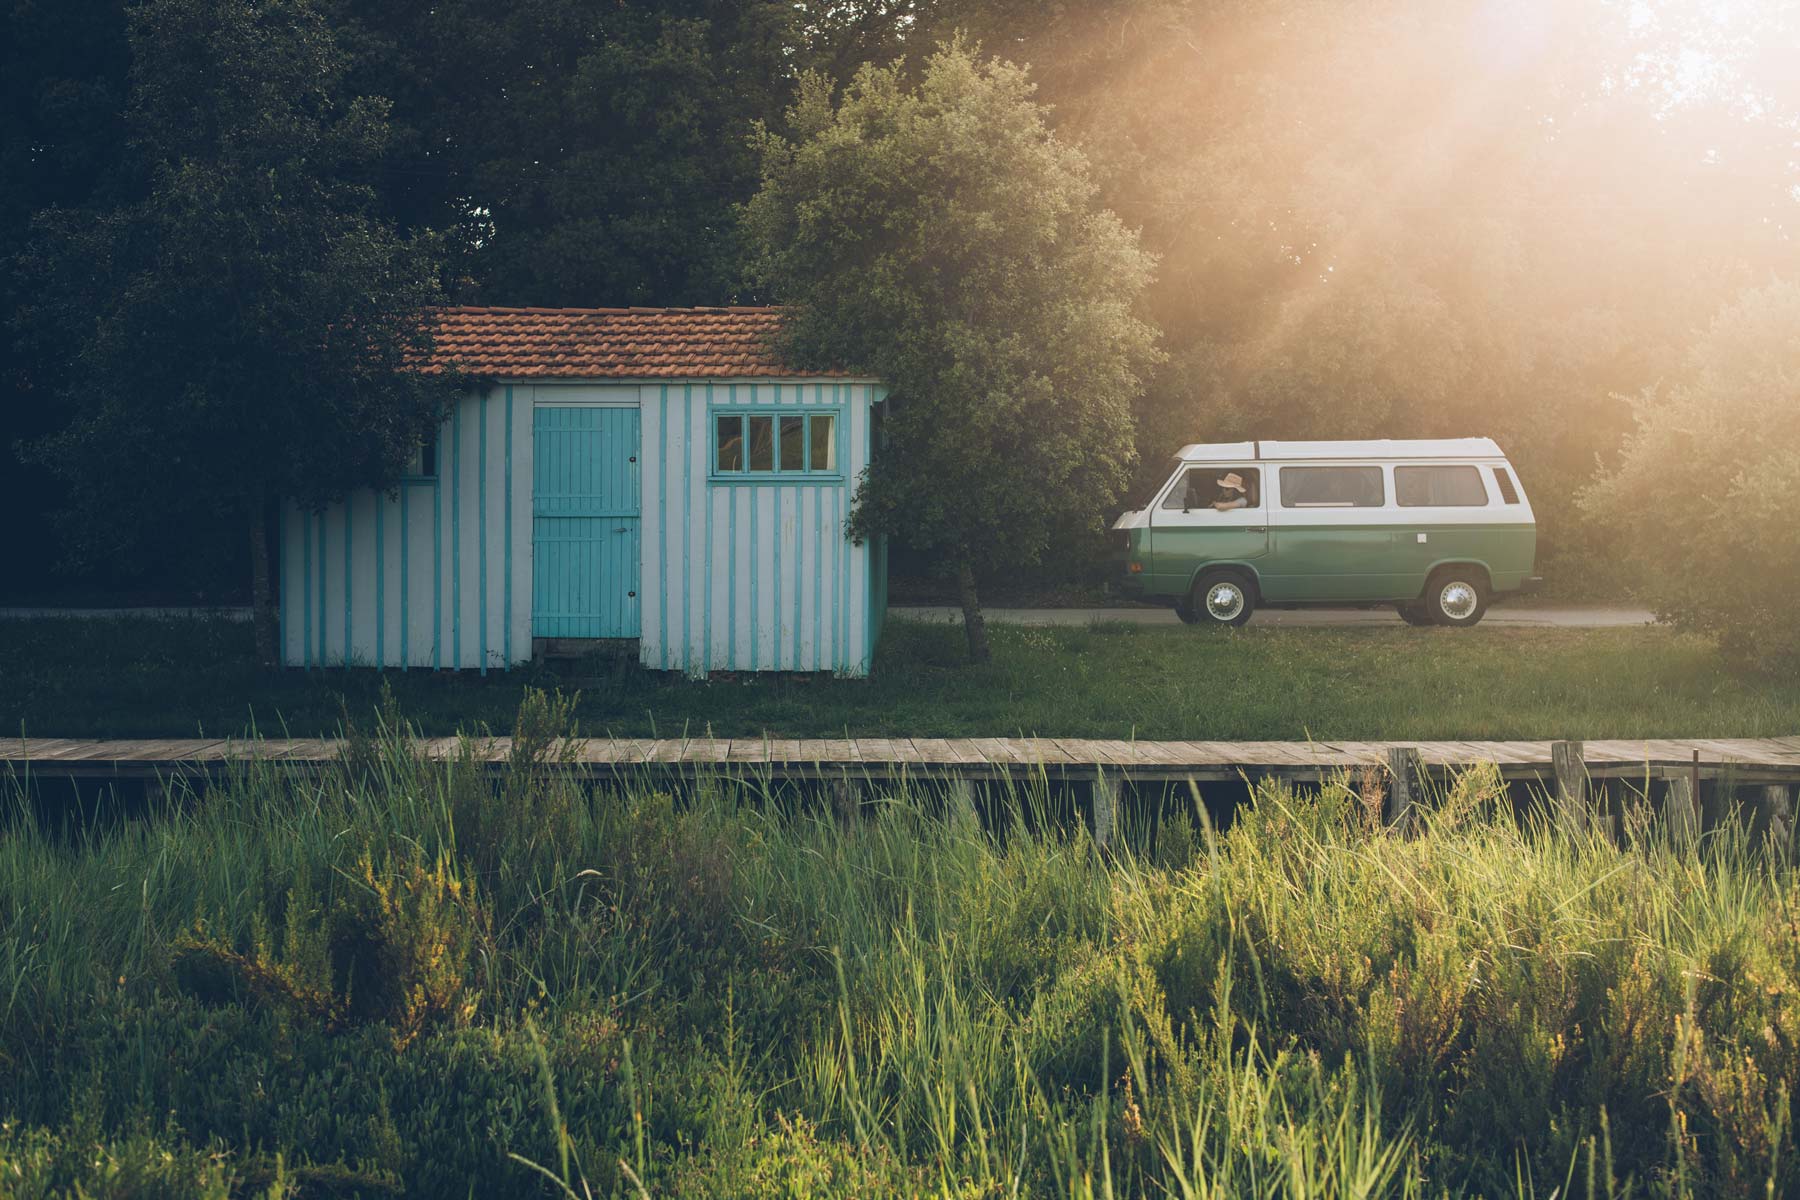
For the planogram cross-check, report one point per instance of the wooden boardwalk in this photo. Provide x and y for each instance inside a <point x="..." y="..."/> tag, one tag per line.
<point x="1765" y="760"/>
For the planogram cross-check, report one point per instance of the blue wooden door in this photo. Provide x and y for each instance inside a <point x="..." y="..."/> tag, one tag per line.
<point x="584" y="522"/>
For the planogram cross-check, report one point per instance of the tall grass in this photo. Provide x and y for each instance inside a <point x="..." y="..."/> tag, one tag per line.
<point x="402" y="976"/>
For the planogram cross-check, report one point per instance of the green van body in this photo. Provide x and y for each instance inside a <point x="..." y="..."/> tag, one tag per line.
<point x="1371" y="548"/>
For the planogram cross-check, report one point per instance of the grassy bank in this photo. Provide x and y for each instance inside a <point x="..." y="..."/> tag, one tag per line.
<point x="144" y="678"/>
<point x="398" y="979"/>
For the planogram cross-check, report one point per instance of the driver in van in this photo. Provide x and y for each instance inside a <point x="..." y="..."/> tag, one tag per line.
<point x="1231" y="492"/>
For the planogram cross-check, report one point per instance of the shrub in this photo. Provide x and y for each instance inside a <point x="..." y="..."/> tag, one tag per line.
<point x="392" y="946"/>
<point x="1707" y="496"/>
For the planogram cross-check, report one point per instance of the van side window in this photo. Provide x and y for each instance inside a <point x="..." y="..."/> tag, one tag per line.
<point x="1201" y="487"/>
<point x="1439" y="487"/>
<point x="1332" y="487"/>
<point x="1508" y="492"/>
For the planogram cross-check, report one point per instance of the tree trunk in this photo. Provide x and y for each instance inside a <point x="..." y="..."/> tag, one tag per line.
<point x="974" y="625"/>
<point x="263" y="615"/>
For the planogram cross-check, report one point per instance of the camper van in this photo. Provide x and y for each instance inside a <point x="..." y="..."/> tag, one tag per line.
<point x="1435" y="528"/>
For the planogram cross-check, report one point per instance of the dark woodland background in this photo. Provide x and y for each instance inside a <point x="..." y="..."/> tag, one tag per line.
<point x="1373" y="218"/>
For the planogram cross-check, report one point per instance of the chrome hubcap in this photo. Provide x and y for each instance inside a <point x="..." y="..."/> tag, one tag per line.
<point x="1458" y="600"/>
<point x="1224" y="601"/>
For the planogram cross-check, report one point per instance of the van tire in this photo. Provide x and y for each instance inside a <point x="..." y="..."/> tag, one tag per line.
<point x="1206" y="605"/>
<point x="1456" y="596"/>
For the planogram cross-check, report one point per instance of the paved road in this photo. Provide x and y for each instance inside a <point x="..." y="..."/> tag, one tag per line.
<point x="1563" y="618"/>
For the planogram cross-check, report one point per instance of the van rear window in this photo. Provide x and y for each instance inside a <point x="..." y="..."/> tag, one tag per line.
<point x="1332" y="487"/>
<point x="1508" y="492"/>
<point x="1439" y="487"/>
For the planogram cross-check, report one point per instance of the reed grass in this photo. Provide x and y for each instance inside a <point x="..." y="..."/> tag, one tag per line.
<point x="409" y="977"/>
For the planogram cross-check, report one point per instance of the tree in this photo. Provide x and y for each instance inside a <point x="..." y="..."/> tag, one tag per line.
<point x="243" y="328"/>
<point x="945" y="241"/>
<point x="1708" y="492"/>
<point x="577" y="153"/>
<point x="1387" y="216"/>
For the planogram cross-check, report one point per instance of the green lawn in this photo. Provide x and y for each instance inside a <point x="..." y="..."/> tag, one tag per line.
<point x="144" y="678"/>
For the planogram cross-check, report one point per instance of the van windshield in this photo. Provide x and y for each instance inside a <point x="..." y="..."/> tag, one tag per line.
<point x="1149" y="483"/>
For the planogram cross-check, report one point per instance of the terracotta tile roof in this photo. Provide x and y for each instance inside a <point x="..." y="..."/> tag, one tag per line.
<point x="610" y="343"/>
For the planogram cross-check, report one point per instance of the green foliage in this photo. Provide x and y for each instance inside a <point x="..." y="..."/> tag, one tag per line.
<point x="237" y="328"/>
<point x="1708" y="492"/>
<point x="393" y="946"/>
<point x="38" y="1165"/>
<point x="733" y="994"/>
<point x="609" y="180"/>
<point x="943" y="239"/>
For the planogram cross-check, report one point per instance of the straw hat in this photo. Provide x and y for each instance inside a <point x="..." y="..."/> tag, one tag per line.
<point x="1234" y="481"/>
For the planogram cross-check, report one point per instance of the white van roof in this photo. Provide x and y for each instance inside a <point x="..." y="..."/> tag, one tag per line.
<point x="1377" y="449"/>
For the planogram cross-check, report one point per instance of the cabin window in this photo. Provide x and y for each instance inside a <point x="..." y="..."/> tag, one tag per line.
<point x="1209" y="487"/>
<point x="730" y="441"/>
<point x="1332" y="487"/>
<point x="774" y="444"/>
<point x="1508" y="492"/>
<point x="424" y="461"/>
<point x="822" y="442"/>
<point x="762" y="442"/>
<point x="1439" y="487"/>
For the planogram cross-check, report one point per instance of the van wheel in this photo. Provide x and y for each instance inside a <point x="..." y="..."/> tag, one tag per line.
<point x="1413" y="613"/>
<point x="1184" y="608"/>
<point x="1222" y="598"/>
<point x="1456" y="596"/>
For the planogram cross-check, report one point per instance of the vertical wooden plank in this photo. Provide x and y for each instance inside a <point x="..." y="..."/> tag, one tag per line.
<point x="846" y="792"/>
<point x="1681" y="810"/>
<point x="1569" y="766"/>
<point x="1404" y="772"/>
<point x="1776" y="809"/>
<point x="1106" y="807"/>
<point x="961" y="800"/>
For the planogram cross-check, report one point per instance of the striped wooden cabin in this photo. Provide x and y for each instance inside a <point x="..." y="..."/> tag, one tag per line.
<point x="646" y="475"/>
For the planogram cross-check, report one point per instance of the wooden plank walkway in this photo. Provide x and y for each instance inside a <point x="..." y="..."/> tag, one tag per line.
<point x="1774" y="760"/>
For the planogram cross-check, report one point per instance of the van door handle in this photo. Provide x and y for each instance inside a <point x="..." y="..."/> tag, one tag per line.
<point x="1256" y="529"/>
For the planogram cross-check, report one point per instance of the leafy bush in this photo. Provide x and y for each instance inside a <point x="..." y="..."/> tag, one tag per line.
<point x="1707" y="496"/>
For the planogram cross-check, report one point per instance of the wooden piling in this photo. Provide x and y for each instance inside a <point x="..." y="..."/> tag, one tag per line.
<point x="1681" y="810"/>
<point x="1405" y="770"/>
<point x="1776" y="808"/>
<point x="1568" y="764"/>
<point x="1106" y="808"/>
<point x="846" y="798"/>
<point x="961" y="796"/>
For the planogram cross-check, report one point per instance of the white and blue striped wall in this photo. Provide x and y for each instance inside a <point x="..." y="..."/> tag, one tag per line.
<point x="734" y="576"/>
<point x="434" y="573"/>
<point x="753" y="575"/>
